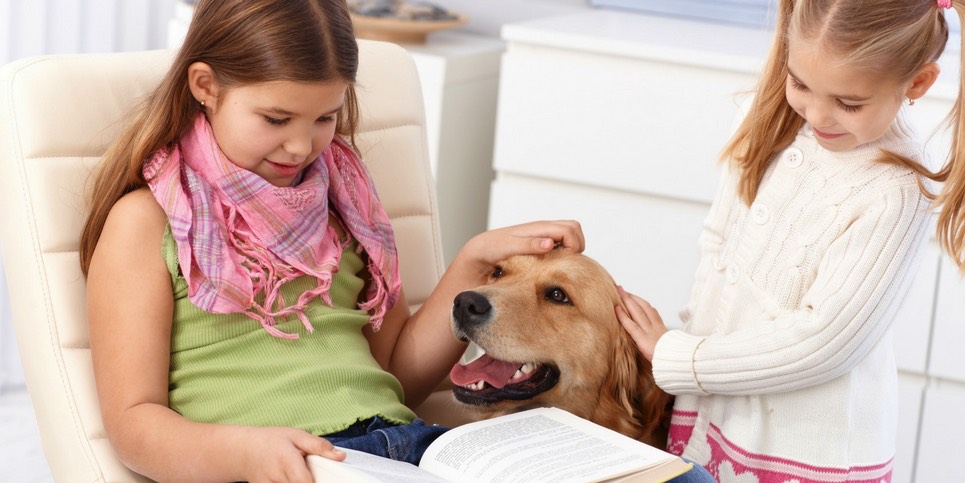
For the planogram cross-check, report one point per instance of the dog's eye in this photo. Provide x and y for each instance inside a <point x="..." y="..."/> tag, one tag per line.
<point x="557" y="296"/>
<point x="497" y="272"/>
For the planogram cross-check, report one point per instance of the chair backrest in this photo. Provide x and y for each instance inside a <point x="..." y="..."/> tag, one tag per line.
<point x="58" y="115"/>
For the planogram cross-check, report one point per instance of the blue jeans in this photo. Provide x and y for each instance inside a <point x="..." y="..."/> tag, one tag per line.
<point x="402" y="442"/>
<point x="697" y="474"/>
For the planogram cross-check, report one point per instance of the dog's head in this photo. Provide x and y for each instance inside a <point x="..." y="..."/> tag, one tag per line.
<point x="551" y="338"/>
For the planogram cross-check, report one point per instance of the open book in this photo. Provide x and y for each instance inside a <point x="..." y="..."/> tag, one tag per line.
<point x="545" y="444"/>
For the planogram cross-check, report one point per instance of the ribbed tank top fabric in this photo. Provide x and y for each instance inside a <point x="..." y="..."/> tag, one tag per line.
<point x="225" y="368"/>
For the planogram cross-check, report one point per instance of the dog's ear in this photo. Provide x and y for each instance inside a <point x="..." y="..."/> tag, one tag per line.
<point x="632" y="386"/>
<point x="624" y="374"/>
<point x="625" y="370"/>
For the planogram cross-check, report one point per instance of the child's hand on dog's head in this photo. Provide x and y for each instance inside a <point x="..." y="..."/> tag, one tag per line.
<point x="532" y="238"/>
<point x="641" y="321"/>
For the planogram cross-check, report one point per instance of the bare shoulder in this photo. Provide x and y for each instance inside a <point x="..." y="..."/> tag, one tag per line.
<point x="138" y="207"/>
<point x="133" y="230"/>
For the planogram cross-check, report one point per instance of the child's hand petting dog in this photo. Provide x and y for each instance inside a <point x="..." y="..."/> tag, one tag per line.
<point x="535" y="238"/>
<point x="642" y="322"/>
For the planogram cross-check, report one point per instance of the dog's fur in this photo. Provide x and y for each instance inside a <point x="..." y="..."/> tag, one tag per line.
<point x="557" y="311"/>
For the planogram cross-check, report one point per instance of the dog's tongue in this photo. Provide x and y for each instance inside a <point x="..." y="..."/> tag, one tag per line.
<point x="495" y="372"/>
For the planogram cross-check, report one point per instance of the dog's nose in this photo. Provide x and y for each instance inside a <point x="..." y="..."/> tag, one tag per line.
<point x="471" y="308"/>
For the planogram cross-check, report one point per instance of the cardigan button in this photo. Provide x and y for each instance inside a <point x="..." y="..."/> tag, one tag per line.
<point x="793" y="157"/>
<point x="732" y="273"/>
<point x="761" y="214"/>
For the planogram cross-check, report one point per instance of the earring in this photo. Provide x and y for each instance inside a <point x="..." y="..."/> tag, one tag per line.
<point x="911" y="102"/>
<point x="202" y="104"/>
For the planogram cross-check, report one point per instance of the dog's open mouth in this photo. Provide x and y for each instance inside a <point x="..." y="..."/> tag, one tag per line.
<point x="484" y="380"/>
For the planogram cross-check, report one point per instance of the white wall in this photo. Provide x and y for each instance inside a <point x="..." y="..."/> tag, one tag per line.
<point x="34" y="27"/>
<point x="11" y="373"/>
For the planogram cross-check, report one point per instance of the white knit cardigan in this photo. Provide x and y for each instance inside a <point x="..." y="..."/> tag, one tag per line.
<point x="785" y="370"/>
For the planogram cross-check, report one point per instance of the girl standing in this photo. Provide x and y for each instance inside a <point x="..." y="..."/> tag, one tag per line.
<point x="785" y="369"/>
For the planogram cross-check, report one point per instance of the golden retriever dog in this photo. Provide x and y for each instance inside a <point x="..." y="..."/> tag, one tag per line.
<point x="551" y="337"/>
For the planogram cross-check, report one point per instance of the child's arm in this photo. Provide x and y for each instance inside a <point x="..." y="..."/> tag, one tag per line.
<point x="841" y="318"/>
<point x="130" y="304"/>
<point x="420" y="349"/>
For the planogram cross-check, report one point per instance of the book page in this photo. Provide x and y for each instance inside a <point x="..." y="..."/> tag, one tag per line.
<point x="368" y="468"/>
<point x="545" y="444"/>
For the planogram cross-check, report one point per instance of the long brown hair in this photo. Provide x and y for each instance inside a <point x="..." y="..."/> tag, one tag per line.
<point x="245" y="42"/>
<point x="894" y="38"/>
<point x="951" y="199"/>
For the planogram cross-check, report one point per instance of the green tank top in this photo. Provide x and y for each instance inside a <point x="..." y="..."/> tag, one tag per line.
<point x="225" y="368"/>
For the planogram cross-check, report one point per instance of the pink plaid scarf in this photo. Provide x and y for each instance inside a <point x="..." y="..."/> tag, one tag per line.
<point x="240" y="238"/>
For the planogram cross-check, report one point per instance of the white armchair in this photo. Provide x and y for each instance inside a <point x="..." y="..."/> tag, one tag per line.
<point x="58" y="115"/>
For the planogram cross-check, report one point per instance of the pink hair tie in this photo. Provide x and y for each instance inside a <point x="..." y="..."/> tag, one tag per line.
<point x="944" y="3"/>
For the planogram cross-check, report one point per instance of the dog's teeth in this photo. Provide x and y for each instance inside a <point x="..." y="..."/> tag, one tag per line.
<point x="476" y="386"/>
<point x="523" y="370"/>
<point x="472" y="353"/>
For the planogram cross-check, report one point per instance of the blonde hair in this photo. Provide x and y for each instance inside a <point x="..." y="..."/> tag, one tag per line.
<point x="244" y="42"/>
<point x="894" y="38"/>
